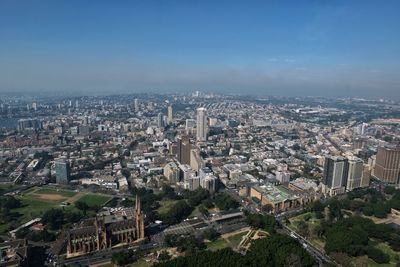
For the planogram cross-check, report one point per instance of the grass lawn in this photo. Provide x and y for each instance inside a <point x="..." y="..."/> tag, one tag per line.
<point x="365" y="261"/>
<point x="35" y="203"/>
<point x="311" y="222"/>
<point x="217" y="244"/>
<point x="95" y="200"/>
<point x="236" y="239"/>
<point x="63" y="193"/>
<point x="32" y="208"/>
<point x="385" y="248"/>
<point x="140" y="263"/>
<point x="195" y="213"/>
<point x="4" y="228"/>
<point x="165" y="205"/>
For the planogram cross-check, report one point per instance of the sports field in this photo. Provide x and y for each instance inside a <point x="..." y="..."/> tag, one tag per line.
<point x="36" y="201"/>
<point x="95" y="200"/>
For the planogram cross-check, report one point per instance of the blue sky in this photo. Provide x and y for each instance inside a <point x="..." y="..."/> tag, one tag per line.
<point x="264" y="47"/>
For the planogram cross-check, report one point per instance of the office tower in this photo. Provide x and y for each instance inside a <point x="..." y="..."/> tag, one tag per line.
<point x="27" y="107"/>
<point x="170" y="115"/>
<point x="190" y="125"/>
<point x="183" y="150"/>
<point x="353" y="173"/>
<point x="160" y="120"/>
<point x="70" y="103"/>
<point x="334" y="171"/>
<point x="201" y="125"/>
<point x="62" y="171"/>
<point x="195" y="160"/>
<point x="136" y="104"/>
<point x="171" y="172"/>
<point x="193" y="183"/>
<point x="366" y="176"/>
<point x="34" y="106"/>
<point x="29" y="124"/>
<point x="209" y="182"/>
<point x="387" y="164"/>
<point x="76" y="103"/>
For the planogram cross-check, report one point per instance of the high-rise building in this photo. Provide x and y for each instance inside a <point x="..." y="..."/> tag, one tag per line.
<point x="62" y="171"/>
<point x="353" y="173"/>
<point x="170" y="115"/>
<point x="366" y="176"/>
<point x="192" y="183"/>
<point x="387" y="164"/>
<point x="171" y="172"/>
<point x="195" y="160"/>
<point x="29" y="124"/>
<point x="136" y="104"/>
<point x="209" y="182"/>
<point x="190" y="125"/>
<point x="183" y="150"/>
<point x="201" y="125"/>
<point x="160" y="120"/>
<point x="34" y="106"/>
<point x="334" y="172"/>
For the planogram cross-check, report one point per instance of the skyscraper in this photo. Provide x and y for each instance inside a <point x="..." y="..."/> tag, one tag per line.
<point x="160" y="120"/>
<point x="170" y="115"/>
<point x="62" y="171"/>
<point x="334" y="172"/>
<point x="387" y="165"/>
<point x="183" y="150"/>
<point x="353" y="173"/>
<point x="136" y="104"/>
<point x="201" y="125"/>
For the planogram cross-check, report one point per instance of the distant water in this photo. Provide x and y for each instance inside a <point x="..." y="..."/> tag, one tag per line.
<point x="9" y="123"/>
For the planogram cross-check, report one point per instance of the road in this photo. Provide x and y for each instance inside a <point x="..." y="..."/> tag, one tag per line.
<point x="87" y="260"/>
<point x="317" y="253"/>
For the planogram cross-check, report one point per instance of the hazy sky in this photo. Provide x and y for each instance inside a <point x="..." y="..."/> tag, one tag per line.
<point x="266" y="47"/>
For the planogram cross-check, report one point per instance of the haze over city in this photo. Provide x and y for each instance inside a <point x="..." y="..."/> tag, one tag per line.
<point x="199" y="133"/>
<point x="292" y="48"/>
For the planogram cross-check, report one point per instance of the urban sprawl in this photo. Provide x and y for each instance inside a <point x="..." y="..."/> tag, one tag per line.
<point x="199" y="178"/>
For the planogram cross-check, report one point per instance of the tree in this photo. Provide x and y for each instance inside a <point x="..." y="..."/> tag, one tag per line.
<point x="278" y="250"/>
<point x="335" y="209"/>
<point x="210" y="234"/>
<point x="177" y="212"/>
<point x="54" y="218"/>
<point x="197" y="196"/>
<point x="83" y="206"/>
<point x="203" y="210"/>
<point x="377" y="255"/>
<point x="164" y="256"/>
<point x="225" y="202"/>
<point x="303" y="229"/>
<point x="266" y="222"/>
<point x="120" y="258"/>
<point x="168" y="192"/>
<point x="390" y="190"/>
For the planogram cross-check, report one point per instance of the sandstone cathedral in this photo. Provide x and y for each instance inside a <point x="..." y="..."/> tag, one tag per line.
<point x="107" y="230"/>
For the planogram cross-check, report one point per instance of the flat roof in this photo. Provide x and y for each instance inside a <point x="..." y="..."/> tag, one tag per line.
<point x="275" y="194"/>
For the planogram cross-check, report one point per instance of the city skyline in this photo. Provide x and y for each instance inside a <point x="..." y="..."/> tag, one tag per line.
<point x="290" y="49"/>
